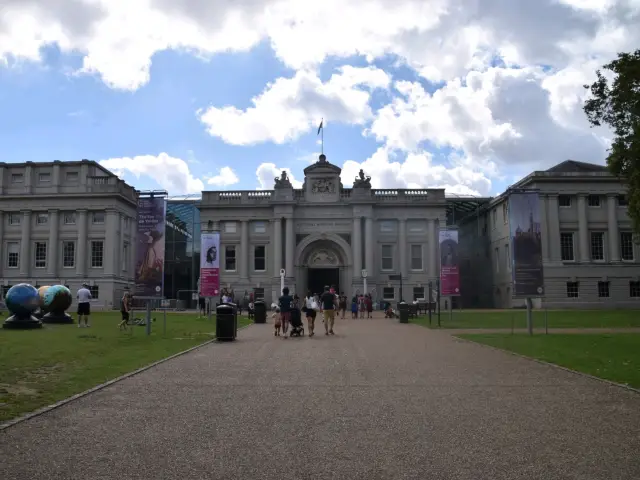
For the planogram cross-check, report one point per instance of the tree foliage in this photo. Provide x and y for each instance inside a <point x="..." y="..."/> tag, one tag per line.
<point x="615" y="101"/>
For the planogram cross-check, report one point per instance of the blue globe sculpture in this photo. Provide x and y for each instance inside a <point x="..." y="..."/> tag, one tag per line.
<point x="22" y="300"/>
<point x="55" y="301"/>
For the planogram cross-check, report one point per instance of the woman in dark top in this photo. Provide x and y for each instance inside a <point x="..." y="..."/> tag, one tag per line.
<point x="285" y="302"/>
<point x="343" y="304"/>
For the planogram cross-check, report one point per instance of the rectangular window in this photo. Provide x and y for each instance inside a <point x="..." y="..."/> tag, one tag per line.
<point x="97" y="254"/>
<point x="387" y="257"/>
<point x="17" y="178"/>
<point x="507" y="256"/>
<point x="15" y="218"/>
<point x="497" y="255"/>
<point x="69" y="218"/>
<point x="230" y="258"/>
<point x="95" y="292"/>
<point x="13" y="254"/>
<point x="230" y="227"/>
<point x="260" y="227"/>
<point x="495" y="217"/>
<point x="97" y="218"/>
<point x="125" y="257"/>
<point x="388" y="293"/>
<point x="417" y="226"/>
<point x="40" y="254"/>
<point x="603" y="289"/>
<point x="573" y="289"/>
<point x="416" y="257"/>
<point x="260" y="258"/>
<point x="5" y="289"/>
<point x="626" y="246"/>
<point x="593" y="200"/>
<point x="418" y="293"/>
<point x="566" y="247"/>
<point x="44" y="177"/>
<point x="597" y="246"/>
<point x="505" y="212"/>
<point x="68" y="254"/>
<point x="72" y="177"/>
<point x="42" y="218"/>
<point x="387" y="226"/>
<point x="564" y="201"/>
<point x="634" y="289"/>
<point x="623" y="201"/>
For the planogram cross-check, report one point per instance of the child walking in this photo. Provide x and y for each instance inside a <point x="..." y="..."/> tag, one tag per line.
<point x="276" y="322"/>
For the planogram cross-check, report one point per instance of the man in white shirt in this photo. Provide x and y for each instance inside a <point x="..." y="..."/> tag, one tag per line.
<point x="84" y="305"/>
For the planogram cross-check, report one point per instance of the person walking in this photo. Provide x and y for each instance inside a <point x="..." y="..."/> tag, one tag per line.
<point x="125" y="308"/>
<point x="310" y="311"/>
<point x="328" y="301"/>
<point x="84" y="305"/>
<point x="343" y="304"/>
<point x="368" y="303"/>
<point x="285" y="303"/>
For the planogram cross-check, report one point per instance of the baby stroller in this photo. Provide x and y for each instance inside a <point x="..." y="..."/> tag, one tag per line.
<point x="297" y="328"/>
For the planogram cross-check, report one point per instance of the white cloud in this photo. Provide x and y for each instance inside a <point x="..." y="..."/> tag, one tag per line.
<point x="225" y="178"/>
<point x="170" y="173"/>
<point x="290" y="107"/>
<point x="267" y="172"/>
<point x="416" y="170"/>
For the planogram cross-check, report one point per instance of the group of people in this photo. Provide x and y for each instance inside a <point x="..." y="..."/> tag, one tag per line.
<point x="361" y="304"/>
<point x="328" y="303"/>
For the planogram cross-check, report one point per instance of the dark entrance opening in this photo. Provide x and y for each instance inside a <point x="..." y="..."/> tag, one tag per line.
<point x="317" y="278"/>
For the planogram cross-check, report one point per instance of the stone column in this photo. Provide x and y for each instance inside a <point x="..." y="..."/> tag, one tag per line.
<point x="277" y="246"/>
<point x="614" y="235"/>
<point x="583" y="228"/>
<point x="111" y="243"/>
<point x="121" y="258"/>
<point x="544" y="226"/>
<point x="244" y="250"/>
<point x="25" y="244"/>
<point x="82" y="242"/>
<point x="53" y="248"/>
<point x="402" y="246"/>
<point x="369" y="242"/>
<point x="553" y="221"/>
<point x="133" y="245"/>
<point x="56" y="176"/>
<point x="432" y="249"/>
<point x="290" y="246"/>
<point x="356" y="247"/>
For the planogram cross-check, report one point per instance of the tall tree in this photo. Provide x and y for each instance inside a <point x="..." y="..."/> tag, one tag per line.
<point x="616" y="103"/>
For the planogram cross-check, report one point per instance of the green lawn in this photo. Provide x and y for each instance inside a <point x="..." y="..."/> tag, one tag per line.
<point x="40" y="367"/>
<point x="613" y="357"/>
<point x="555" y="319"/>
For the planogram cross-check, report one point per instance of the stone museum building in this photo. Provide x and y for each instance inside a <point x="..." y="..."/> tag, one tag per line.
<point x="74" y="222"/>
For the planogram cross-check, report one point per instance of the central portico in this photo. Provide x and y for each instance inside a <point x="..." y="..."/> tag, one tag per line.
<point x="325" y="234"/>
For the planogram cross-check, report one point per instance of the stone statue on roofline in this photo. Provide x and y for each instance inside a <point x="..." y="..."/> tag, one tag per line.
<point x="283" y="181"/>
<point x="362" y="181"/>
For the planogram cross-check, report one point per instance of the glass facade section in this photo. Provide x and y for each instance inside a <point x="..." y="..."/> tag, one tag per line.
<point x="182" y="254"/>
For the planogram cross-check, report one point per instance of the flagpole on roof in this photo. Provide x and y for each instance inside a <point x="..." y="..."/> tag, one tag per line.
<point x="321" y="132"/>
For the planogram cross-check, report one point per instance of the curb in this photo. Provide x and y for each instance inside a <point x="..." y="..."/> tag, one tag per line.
<point x="48" y="408"/>
<point x="549" y="364"/>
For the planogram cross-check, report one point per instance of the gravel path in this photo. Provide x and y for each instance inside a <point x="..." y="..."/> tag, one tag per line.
<point x="379" y="400"/>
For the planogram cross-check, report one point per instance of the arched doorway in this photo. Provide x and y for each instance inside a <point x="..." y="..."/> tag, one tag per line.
<point x="323" y="259"/>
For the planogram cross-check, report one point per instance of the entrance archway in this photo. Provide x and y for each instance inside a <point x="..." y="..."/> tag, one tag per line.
<point x="323" y="259"/>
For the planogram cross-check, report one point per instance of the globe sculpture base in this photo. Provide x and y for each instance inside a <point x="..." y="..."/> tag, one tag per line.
<point x="57" y="317"/>
<point x="16" y="322"/>
<point x="38" y="314"/>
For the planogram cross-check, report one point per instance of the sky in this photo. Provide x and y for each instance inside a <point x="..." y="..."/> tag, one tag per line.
<point x="192" y="95"/>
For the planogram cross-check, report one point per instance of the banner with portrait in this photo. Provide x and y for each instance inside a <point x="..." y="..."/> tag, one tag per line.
<point x="526" y="245"/>
<point x="150" y="251"/>
<point x="210" y="264"/>
<point x="449" y="267"/>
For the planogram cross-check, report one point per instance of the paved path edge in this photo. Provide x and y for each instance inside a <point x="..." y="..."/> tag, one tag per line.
<point x="555" y="365"/>
<point x="48" y="408"/>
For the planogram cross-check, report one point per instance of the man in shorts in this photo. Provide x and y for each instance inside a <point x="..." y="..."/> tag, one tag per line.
<point x="328" y="301"/>
<point x="285" y="302"/>
<point x="84" y="305"/>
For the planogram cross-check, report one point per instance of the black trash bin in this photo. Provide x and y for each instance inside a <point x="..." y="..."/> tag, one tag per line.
<point x="226" y="322"/>
<point x="259" y="312"/>
<point x="403" y="312"/>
